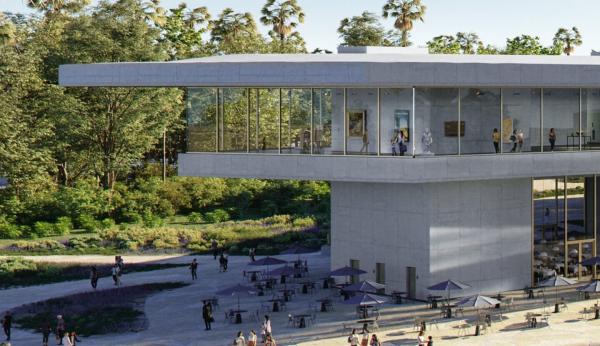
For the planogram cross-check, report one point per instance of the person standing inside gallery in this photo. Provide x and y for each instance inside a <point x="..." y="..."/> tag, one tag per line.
<point x="365" y="142"/>
<point x="520" y="140"/>
<point x="496" y="140"/>
<point x="552" y="138"/>
<point x="513" y="139"/>
<point x="401" y="140"/>
<point x="394" y="142"/>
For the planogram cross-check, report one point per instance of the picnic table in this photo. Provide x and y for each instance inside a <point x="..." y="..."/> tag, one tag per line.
<point x="532" y="319"/>
<point x="447" y="309"/>
<point x="363" y="310"/>
<point x="300" y="320"/>
<point x="433" y="301"/>
<point x="252" y="274"/>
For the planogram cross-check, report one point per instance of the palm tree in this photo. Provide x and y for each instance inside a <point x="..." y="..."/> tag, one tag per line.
<point x="232" y="25"/>
<point x="569" y="39"/>
<point x="468" y="42"/>
<point x="280" y="15"/>
<point x="405" y="12"/>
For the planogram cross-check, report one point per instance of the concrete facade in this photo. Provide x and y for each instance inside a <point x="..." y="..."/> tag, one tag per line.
<point x="476" y="232"/>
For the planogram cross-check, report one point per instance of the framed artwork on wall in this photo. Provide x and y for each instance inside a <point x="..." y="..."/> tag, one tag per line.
<point x="507" y="130"/>
<point x="402" y="122"/>
<point x="451" y="128"/>
<point x="357" y="123"/>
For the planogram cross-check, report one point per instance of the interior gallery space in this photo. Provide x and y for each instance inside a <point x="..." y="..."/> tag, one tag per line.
<point x="475" y="168"/>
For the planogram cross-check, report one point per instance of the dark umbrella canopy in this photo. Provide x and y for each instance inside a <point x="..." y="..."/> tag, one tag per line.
<point x="366" y="299"/>
<point x="267" y="261"/>
<point x="237" y="290"/>
<point x="478" y="302"/>
<point x="365" y="286"/>
<point x="593" y="286"/>
<point x="557" y="281"/>
<point x="449" y="285"/>
<point x="284" y="271"/>
<point x="296" y="250"/>
<point x="347" y="271"/>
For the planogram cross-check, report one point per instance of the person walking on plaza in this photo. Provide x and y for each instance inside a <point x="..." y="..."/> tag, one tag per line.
<point x="270" y="341"/>
<point x="353" y="338"/>
<point x="72" y="339"/>
<point x="7" y="324"/>
<point x="94" y="277"/>
<point x="60" y="329"/>
<point x="115" y="274"/>
<point x="221" y="263"/>
<point x="252" y="338"/>
<point x="430" y="341"/>
<point x="365" y="338"/>
<point x="239" y="340"/>
<point x="266" y="328"/>
<point x="225" y="261"/>
<point x="421" y="339"/>
<point x="252" y="253"/>
<point x="375" y="341"/>
<point x="214" y="246"/>
<point x="194" y="269"/>
<point x="46" y="329"/>
<point x="207" y="315"/>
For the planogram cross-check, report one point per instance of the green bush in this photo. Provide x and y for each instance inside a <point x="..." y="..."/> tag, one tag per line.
<point x="195" y="218"/>
<point x="42" y="229"/>
<point x="63" y="226"/>
<point x="40" y="245"/>
<point x="9" y="230"/>
<point x="216" y="216"/>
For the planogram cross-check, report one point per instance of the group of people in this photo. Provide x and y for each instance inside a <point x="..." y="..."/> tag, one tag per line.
<point x="517" y="139"/>
<point x="116" y="272"/>
<point x="62" y="336"/>
<point x="398" y="140"/>
<point x="267" y="338"/>
<point x="363" y="340"/>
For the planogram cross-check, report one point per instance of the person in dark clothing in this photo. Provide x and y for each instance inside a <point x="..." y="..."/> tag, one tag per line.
<point x="94" y="277"/>
<point x="214" y="247"/>
<point x="252" y="253"/>
<point x="7" y="324"/>
<point x="221" y="263"/>
<point x="225" y="262"/>
<point x="60" y="329"/>
<point x="45" y="333"/>
<point x="207" y="315"/>
<point x="194" y="268"/>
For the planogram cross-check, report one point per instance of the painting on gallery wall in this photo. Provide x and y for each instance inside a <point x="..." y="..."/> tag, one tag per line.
<point x="357" y="123"/>
<point x="402" y="123"/>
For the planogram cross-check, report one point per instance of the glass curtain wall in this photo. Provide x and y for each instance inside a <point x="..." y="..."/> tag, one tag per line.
<point x="322" y="118"/>
<point x="480" y="110"/>
<point x="201" y="119"/>
<point x="361" y="121"/>
<point x="521" y="120"/>
<point x="561" y="119"/>
<point x="590" y="119"/>
<point x="564" y="227"/>
<point x="296" y="121"/>
<point x="396" y="128"/>
<point x="437" y="128"/>
<point x="264" y="121"/>
<point x="233" y="120"/>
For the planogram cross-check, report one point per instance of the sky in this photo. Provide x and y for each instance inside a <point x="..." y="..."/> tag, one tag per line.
<point x="492" y="20"/>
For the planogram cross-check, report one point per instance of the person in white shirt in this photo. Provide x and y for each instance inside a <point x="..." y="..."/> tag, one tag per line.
<point x="252" y="338"/>
<point x="240" y="340"/>
<point x="353" y="338"/>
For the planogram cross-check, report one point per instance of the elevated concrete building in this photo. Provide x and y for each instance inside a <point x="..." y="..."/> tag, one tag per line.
<point x="475" y="168"/>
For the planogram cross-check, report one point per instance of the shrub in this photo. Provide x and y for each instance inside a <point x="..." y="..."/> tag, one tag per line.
<point x="152" y="220"/>
<point x="88" y="223"/>
<point x="63" y="226"/>
<point x="8" y="230"/>
<point x="195" y="218"/>
<point x="216" y="216"/>
<point x="42" y="229"/>
<point x="39" y="245"/>
<point x="304" y="222"/>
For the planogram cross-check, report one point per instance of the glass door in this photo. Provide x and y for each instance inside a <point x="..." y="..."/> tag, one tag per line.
<point x="576" y="253"/>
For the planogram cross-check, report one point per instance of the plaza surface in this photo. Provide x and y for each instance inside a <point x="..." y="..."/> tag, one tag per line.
<point x="174" y="317"/>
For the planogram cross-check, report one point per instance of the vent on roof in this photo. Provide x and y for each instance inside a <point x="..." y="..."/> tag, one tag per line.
<point x="381" y="50"/>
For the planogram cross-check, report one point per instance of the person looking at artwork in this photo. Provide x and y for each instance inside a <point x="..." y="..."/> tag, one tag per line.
<point x="365" y="142"/>
<point x="496" y="140"/>
<point x="513" y="139"/>
<point x="394" y="142"/>
<point x="552" y="138"/>
<point x="520" y="140"/>
<point x="401" y="140"/>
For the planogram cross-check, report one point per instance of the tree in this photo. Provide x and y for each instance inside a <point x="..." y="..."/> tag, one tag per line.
<point x="363" y="30"/>
<point x="468" y="42"/>
<point x="530" y="45"/>
<point x="284" y="18"/>
<point x="7" y="30"/>
<point x="52" y="7"/>
<point x="569" y="39"/>
<point x="182" y="28"/>
<point x="443" y="44"/>
<point x="405" y="13"/>
<point x="236" y="33"/>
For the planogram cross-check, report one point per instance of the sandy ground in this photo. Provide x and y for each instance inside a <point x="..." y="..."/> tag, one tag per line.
<point x="175" y="316"/>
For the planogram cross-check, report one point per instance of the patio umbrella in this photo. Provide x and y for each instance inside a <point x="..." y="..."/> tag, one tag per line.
<point x="283" y="271"/>
<point x="592" y="287"/>
<point x="366" y="299"/>
<point x="365" y="286"/>
<point x="267" y="261"/>
<point x="449" y="285"/>
<point x="557" y="281"/>
<point x="346" y="271"/>
<point x="478" y="302"/>
<point x="237" y="290"/>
